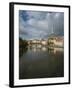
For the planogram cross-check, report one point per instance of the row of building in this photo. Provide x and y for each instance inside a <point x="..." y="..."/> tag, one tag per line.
<point x="51" y="41"/>
<point x="35" y="41"/>
<point x="56" y="41"/>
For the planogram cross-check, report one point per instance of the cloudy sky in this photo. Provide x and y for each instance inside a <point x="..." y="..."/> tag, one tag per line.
<point x="40" y="24"/>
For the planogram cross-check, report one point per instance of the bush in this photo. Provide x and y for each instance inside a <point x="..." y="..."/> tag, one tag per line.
<point x="23" y="43"/>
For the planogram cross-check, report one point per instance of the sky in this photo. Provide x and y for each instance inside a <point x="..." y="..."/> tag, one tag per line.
<point x="40" y="24"/>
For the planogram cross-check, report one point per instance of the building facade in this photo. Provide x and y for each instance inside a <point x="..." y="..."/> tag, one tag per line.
<point x="56" y="41"/>
<point x="35" y="41"/>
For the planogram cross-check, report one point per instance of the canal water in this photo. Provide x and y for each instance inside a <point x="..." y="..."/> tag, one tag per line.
<point x="41" y="62"/>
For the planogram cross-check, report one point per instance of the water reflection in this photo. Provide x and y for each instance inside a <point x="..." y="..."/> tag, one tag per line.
<point x="41" y="61"/>
<point x="36" y="48"/>
<point x="55" y="50"/>
<point x="22" y="51"/>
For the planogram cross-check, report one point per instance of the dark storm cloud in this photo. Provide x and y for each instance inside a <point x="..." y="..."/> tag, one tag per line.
<point x="38" y="25"/>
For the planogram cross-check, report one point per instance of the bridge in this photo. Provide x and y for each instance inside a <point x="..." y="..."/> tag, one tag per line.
<point x="38" y="42"/>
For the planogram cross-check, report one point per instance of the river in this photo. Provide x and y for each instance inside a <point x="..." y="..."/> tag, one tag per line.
<point x="41" y="62"/>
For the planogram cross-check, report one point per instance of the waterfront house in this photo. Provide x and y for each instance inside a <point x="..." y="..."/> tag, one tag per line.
<point x="56" y="41"/>
<point x="35" y="41"/>
<point x="44" y="42"/>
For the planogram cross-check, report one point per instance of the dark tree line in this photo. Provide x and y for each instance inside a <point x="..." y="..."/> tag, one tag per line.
<point x="23" y="46"/>
<point x="23" y="43"/>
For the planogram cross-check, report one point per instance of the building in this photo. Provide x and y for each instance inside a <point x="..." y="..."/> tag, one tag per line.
<point x="56" y="41"/>
<point x="59" y="41"/>
<point x="44" y="42"/>
<point x="39" y="42"/>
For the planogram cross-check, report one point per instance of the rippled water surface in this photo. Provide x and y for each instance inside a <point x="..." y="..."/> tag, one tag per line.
<point x="41" y="62"/>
